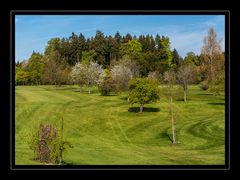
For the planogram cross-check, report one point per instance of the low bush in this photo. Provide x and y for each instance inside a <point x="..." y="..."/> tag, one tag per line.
<point x="204" y="86"/>
<point x="48" y="144"/>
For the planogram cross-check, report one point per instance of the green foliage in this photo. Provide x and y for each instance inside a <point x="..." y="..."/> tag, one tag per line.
<point x="21" y="76"/>
<point x="88" y="56"/>
<point x="176" y="59"/>
<point x="31" y="72"/>
<point x="35" y="68"/>
<point x="217" y="86"/>
<point x="145" y="54"/>
<point x="54" y="45"/>
<point x="143" y="91"/>
<point x="132" y="49"/>
<point x="55" y="73"/>
<point x="98" y="44"/>
<point x="106" y="86"/>
<point x="165" y="50"/>
<point x="191" y="59"/>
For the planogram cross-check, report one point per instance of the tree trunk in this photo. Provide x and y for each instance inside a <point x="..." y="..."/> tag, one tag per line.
<point x="141" y="108"/>
<point x="172" y="118"/>
<point x="185" y="95"/>
<point x="211" y="74"/>
<point x="88" y="86"/>
<point x="80" y="89"/>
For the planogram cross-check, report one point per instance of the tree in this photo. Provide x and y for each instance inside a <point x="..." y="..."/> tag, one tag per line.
<point x="211" y="54"/>
<point x="88" y="56"/>
<point x="143" y="91"/>
<point x="98" y="43"/>
<point x="127" y="38"/>
<point x="50" y="71"/>
<point x="132" y="65"/>
<point x="170" y="79"/>
<point x="116" y="46"/>
<point x="54" y="46"/>
<point x="76" y="75"/>
<point x="176" y="59"/>
<point x="92" y="74"/>
<point x="155" y="75"/>
<point x="81" y="46"/>
<point x="35" y="68"/>
<point x="191" y="59"/>
<point x="21" y="76"/>
<point x="157" y="42"/>
<point x="120" y="76"/>
<point x="87" y="74"/>
<point x="186" y="74"/>
<point x="132" y="49"/>
<point x="105" y="82"/>
<point x="165" y="51"/>
<point x="217" y="86"/>
<point x="55" y="73"/>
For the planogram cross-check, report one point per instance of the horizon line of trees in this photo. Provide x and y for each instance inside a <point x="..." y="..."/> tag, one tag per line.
<point x="114" y="60"/>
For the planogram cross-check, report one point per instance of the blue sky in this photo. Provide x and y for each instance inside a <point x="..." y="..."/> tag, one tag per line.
<point x="186" y="32"/>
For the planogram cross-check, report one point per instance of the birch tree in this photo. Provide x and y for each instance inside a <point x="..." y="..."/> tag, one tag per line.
<point x="211" y="54"/>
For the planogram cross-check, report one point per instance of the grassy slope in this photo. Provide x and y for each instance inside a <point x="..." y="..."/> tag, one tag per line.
<point x="104" y="132"/>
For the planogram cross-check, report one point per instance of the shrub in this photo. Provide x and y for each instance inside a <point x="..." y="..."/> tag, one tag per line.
<point x="204" y="85"/>
<point x="48" y="144"/>
<point x="217" y="86"/>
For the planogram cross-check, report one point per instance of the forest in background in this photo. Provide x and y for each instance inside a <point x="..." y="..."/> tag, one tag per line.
<point x="128" y="55"/>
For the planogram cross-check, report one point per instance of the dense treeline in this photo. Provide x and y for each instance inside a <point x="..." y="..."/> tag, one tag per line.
<point x="131" y="56"/>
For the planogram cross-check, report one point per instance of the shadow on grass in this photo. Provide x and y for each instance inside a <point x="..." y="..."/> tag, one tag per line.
<point x="166" y="135"/>
<point x="181" y="99"/>
<point x="145" y="109"/>
<point x="124" y="98"/>
<point x="84" y="91"/>
<point x="109" y="95"/>
<point x="68" y="163"/>
<point x="218" y="104"/>
<point x="205" y="94"/>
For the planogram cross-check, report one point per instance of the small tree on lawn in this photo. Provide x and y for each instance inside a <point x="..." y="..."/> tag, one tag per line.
<point x="87" y="73"/>
<point x="186" y="74"/>
<point x="143" y="91"/>
<point x="92" y="74"/>
<point x="170" y="79"/>
<point x="77" y="75"/>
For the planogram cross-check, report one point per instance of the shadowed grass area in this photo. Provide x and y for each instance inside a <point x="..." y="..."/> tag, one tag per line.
<point x="105" y="130"/>
<point x="146" y="109"/>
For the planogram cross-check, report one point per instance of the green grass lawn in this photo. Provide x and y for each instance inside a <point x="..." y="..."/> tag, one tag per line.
<point x="104" y="132"/>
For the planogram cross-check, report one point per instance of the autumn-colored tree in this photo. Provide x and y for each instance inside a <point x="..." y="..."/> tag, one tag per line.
<point x="211" y="55"/>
